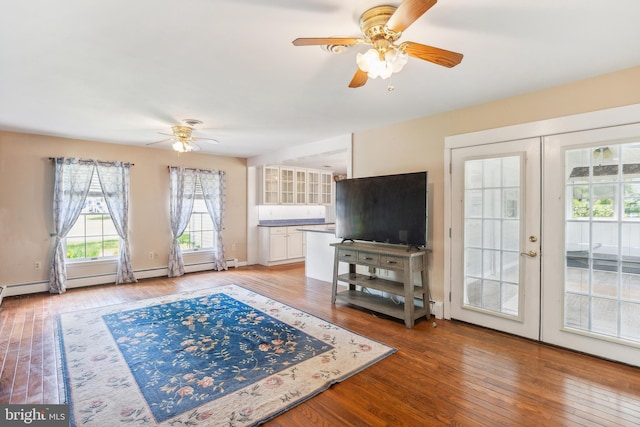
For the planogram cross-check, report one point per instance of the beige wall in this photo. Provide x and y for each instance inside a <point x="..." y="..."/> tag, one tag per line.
<point x="419" y="144"/>
<point x="26" y="186"/>
<point x="26" y="174"/>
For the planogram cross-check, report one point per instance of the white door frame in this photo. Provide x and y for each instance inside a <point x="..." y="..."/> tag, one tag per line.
<point x="578" y="122"/>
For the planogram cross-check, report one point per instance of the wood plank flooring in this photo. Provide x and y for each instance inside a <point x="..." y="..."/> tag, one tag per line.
<point x="453" y="374"/>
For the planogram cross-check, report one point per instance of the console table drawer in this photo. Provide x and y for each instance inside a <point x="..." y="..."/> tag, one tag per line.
<point x="348" y="255"/>
<point x="391" y="262"/>
<point x="368" y="258"/>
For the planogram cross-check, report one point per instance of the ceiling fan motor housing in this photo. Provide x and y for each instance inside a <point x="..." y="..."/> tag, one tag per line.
<point x="182" y="132"/>
<point x="373" y="24"/>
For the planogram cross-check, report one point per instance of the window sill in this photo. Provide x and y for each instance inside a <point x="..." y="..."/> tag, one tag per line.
<point x="92" y="261"/>
<point x="197" y="251"/>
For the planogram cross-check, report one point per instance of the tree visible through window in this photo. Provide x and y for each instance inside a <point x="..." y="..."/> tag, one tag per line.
<point x="93" y="235"/>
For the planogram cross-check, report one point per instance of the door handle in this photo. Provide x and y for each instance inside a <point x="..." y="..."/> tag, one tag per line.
<point x="530" y="254"/>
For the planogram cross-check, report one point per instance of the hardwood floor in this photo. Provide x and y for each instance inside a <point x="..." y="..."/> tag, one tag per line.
<point x="452" y="374"/>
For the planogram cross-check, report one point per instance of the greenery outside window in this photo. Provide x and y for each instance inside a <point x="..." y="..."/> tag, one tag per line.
<point x="200" y="233"/>
<point x="93" y="236"/>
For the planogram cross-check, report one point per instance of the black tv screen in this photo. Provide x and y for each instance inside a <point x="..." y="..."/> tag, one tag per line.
<point x="388" y="209"/>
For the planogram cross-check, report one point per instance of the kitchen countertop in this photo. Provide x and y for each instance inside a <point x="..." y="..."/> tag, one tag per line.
<point x="293" y="222"/>
<point x="318" y="230"/>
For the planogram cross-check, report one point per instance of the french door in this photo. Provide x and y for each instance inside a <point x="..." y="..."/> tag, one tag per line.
<point x="545" y="239"/>
<point x="495" y="240"/>
<point x="591" y="242"/>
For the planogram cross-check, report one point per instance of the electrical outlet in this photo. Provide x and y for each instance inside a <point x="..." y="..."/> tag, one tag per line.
<point x="37" y="265"/>
<point x="150" y="255"/>
<point x="233" y="246"/>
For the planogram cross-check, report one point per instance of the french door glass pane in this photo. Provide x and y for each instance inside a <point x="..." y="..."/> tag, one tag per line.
<point x="602" y="240"/>
<point x="492" y="234"/>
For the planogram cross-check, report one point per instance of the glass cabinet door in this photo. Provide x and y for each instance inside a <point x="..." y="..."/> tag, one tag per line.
<point x="270" y="185"/>
<point x="286" y="186"/>
<point x="314" y="187"/>
<point x="301" y="187"/>
<point x="326" y="188"/>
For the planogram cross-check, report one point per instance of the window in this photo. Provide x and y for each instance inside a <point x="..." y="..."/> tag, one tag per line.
<point x="602" y="286"/>
<point x="200" y="233"/>
<point x="93" y="235"/>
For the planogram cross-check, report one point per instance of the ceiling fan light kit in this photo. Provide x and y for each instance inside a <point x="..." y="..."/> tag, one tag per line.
<point x="384" y="58"/>
<point x="378" y="64"/>
<point x="381" y="28"/>
<point x="182" y="146"/>
<point x="182" y="137"/>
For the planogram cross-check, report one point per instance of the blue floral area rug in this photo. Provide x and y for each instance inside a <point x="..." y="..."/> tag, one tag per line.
<point x="223" y="356"/>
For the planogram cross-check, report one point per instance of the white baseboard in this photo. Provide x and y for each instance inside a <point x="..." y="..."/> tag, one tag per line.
<point x="437" y="309"/>
<point x="106" y="279"/>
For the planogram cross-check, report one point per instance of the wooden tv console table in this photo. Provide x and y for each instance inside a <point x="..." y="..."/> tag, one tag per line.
<point x="411" y="264"/>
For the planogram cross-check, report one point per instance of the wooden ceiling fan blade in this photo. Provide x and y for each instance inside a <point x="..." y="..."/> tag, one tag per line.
<point x="322" y="41"/>
<point x="443" y="57"/>
<point x="359" y="79"/>
<point x="407" y="13"/>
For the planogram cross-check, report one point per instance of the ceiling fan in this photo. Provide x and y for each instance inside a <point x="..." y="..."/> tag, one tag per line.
<point x="182" y="137"/>
<point x="381" y="28"/>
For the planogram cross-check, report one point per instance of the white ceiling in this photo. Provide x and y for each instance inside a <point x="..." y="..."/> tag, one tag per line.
<point x="121" y="71"/>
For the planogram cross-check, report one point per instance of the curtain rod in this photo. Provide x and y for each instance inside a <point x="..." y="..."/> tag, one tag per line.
<point x="91" y="161"/>
<point x="195" y="169"/>
<point x="189" y="169"/>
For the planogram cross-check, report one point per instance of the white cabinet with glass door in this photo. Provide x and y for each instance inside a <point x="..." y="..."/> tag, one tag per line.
<point x="301" y="186"/>
<point x="270" y="185"/>
<point x="313" y="187"/>
<point x="326" y="188"/>
<point x="287" y="186"/>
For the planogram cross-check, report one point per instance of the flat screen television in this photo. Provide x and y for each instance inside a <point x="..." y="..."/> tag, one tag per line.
<point x="387" y="209"/>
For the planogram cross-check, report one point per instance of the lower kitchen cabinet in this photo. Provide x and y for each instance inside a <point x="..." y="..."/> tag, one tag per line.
<point x="280" y="245"/>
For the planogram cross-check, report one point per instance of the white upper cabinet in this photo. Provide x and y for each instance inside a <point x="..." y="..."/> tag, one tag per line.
<point x="301" y="187"/>
<point x="326" y="188"/>
<point x="287" y="186"/>
<point x="270" y="184"/>
<point x="292" y="186"/>
<point x="313" y="187"/>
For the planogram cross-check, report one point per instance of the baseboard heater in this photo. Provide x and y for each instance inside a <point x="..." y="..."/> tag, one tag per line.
<point x="104" y="279"/>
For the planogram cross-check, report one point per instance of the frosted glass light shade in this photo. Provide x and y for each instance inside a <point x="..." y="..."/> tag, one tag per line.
<point x="371" y="63"/>
<point x="181" y="146"/>
<point x="396" y="59"/>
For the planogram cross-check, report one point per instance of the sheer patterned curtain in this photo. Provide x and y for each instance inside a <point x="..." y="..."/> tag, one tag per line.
<point x="182" y="186"/>
<point x="71" y="186"/>
<point x="213" y="189"/>
<point x="114" y="181"/>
